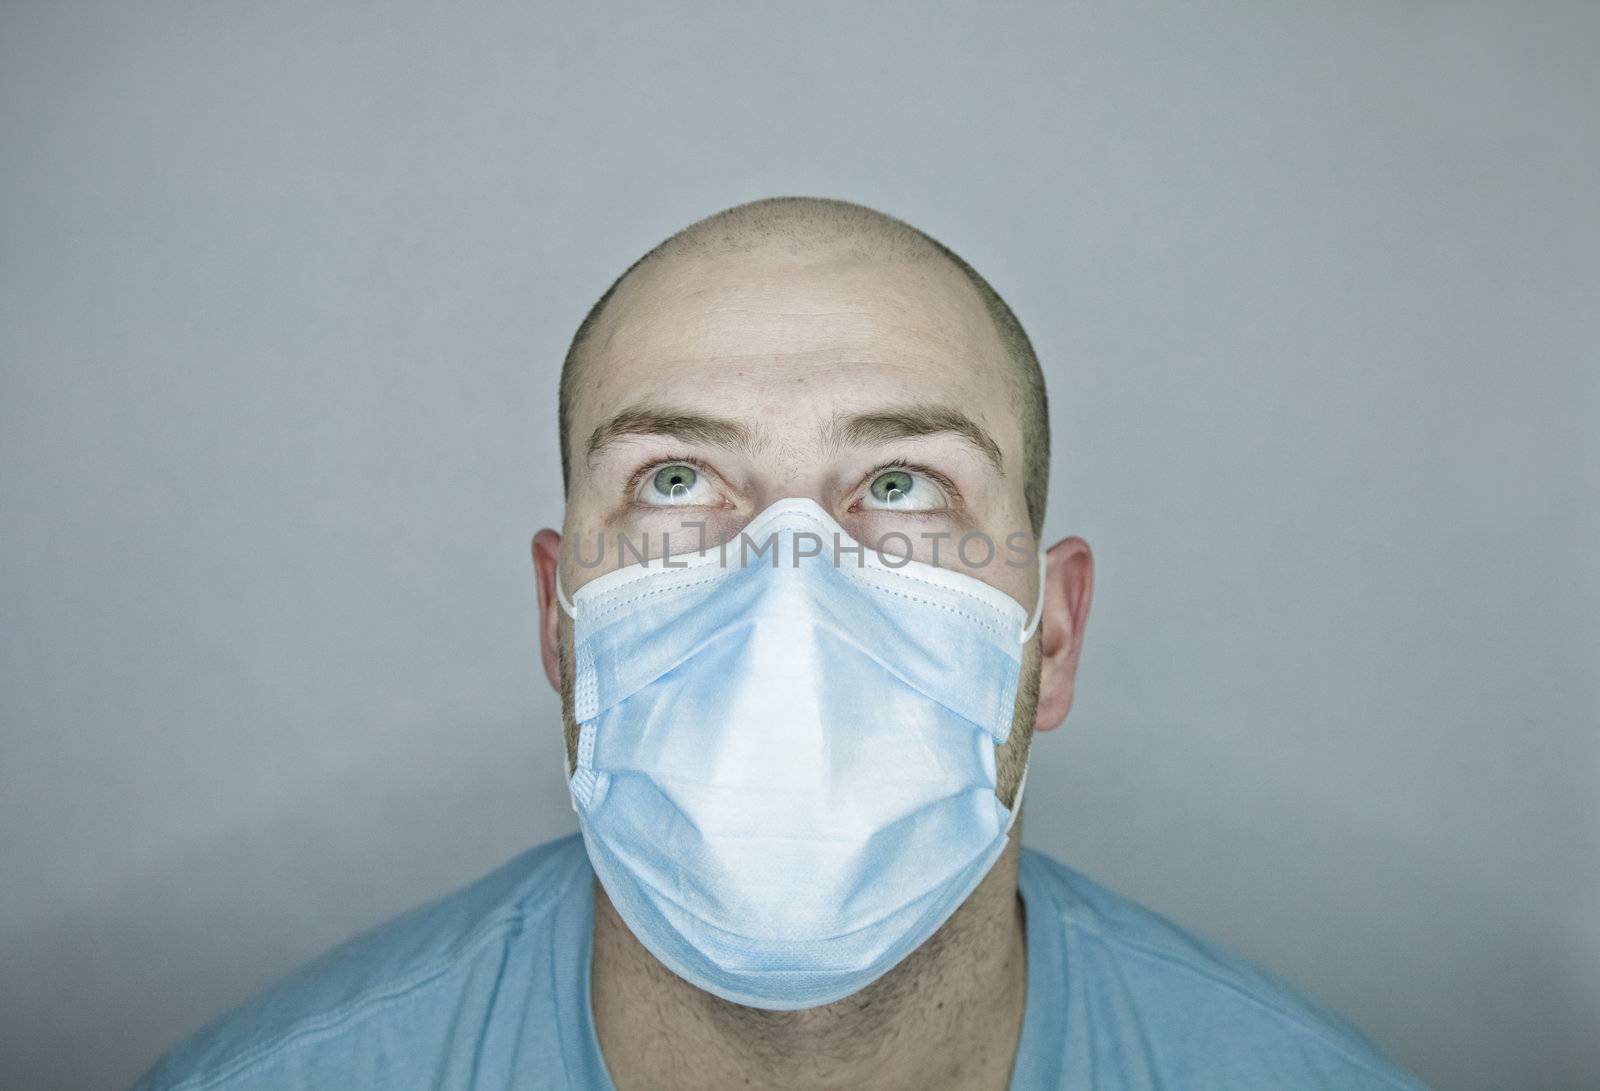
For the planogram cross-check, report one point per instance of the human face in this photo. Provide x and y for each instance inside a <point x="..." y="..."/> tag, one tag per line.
<point x="743" y="378"/>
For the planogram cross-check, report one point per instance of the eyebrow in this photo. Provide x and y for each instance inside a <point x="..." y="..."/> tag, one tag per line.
<point x="921" y="420"/>
<point x="656" y="421"/>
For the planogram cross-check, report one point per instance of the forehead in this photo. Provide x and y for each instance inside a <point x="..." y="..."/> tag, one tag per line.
<point x="791" y="338"/>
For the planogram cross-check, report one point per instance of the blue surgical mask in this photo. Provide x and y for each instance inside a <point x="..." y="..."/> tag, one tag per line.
<point x="786" y="771"/>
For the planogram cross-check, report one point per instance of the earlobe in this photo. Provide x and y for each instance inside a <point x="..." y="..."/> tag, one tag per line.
<point x="546" y="564"/>
<point x="1069" y="589"/>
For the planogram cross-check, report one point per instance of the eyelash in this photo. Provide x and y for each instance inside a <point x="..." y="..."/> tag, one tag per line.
<point x="631" y="489"/>
<point x="952" y="493"/>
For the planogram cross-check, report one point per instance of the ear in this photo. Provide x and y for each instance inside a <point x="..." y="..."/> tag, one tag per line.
<point x="1068" y="589"/>
<point x="546" y="561"/>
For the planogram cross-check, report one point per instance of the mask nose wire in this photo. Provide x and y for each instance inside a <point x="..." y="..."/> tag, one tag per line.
<point x="1022" y="638"/>
<point x="1038" y="607"/>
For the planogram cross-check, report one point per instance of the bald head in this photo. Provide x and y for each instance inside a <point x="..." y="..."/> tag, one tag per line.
<point x="806" y="231"/>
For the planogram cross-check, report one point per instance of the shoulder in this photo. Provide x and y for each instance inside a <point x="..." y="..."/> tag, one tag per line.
<point x="1201" y="1015"/>
<point x="405" y="980"/>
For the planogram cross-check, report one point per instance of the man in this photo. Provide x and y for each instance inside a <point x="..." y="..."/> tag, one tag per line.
<point x="797" y="776"/>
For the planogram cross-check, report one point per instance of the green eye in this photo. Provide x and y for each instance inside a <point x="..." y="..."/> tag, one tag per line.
<point x="675" y="481"/>
<point x="905" y="491"/>
<point x="893" y="487"/>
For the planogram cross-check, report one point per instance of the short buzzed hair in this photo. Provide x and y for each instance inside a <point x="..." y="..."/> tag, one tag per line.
<point x="808" y="222"/>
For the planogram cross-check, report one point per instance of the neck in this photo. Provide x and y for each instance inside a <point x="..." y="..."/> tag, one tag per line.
<point x="949" y="1015"/>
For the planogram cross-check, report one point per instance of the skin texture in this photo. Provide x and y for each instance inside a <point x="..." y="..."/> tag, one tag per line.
<point x="787" y="343"/>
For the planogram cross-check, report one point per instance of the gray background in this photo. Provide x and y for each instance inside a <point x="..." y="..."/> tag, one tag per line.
<point x="285" y="288"/>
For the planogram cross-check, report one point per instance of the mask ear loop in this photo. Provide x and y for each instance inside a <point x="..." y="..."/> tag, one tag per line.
<point x="561" y="597"/>
<point x="571" y="612"/>
<point x="1038" y="607"/>
<point x="1016" y="800"/>
<point x="1026" y="635"/>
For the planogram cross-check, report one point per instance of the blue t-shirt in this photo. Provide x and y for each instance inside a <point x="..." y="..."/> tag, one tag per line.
<point x="489" y="988"/>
